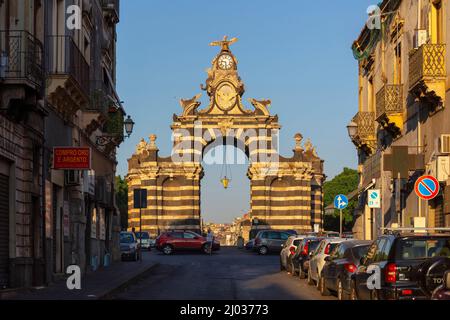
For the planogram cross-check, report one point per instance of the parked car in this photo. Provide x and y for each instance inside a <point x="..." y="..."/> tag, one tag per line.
<point x="152" y="242"/>
<point x="317" y="260"/>
<point x="340" y="266"/>
<point x="145" y="240"/>
<point x="443" y="291"/>
<point x="168" y="242"/>
<point x="270" y="241"/>
<point x="288" y="249"/>
<point x="249" y="245"/>
<point x="129" y="246"/>
<point x="299" y="261"/>
<point x="411" y="266"/>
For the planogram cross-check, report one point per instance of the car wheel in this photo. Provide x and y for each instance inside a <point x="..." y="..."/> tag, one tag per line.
<point x="341" y="295"/>
<point x="281" y="265"/>
<point x="301" y="272"/>
<point x="263" y="250"/>
<point x="167" y="249"/>
<point x="293" y="273"/>
<point x="374" y="295"/>
<point x="353" y="294"/>
<point x="310" y="280"/>
<point x="323" y="289"/>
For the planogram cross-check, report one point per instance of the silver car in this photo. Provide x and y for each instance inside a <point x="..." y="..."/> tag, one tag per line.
<point x="270" y="241"/>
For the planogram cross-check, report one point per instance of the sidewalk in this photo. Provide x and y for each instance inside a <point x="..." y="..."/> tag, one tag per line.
<point x="95" y="285"/>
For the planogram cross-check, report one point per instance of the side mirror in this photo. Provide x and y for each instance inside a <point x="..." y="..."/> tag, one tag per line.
<point x="447" y="280"/>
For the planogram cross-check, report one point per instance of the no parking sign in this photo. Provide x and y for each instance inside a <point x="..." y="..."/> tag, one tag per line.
<point x="427" y="187"/>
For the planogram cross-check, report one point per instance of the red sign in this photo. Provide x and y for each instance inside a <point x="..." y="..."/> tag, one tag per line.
<point x="71" y="158"/>
<point x="427" y="187"/>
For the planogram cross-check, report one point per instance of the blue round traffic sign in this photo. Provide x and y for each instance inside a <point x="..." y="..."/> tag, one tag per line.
<point x="340" y="202"/>
<point x="427" y="187"/>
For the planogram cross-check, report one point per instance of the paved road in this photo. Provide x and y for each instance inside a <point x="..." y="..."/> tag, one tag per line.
<point x="230" y="274"/>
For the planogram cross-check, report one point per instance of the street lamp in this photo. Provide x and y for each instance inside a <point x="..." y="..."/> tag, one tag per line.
<point x="129" y="125"/>
<point x="352" y="129"/>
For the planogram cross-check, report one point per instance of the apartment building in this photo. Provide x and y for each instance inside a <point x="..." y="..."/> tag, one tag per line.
<point x="403" y="122"/>
<point x="57" y="90"/>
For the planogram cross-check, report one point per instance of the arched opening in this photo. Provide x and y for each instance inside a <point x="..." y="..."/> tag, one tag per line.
<point x="220" y="205"/>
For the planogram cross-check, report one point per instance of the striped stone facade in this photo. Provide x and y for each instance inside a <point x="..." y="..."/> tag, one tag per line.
<point x="286" y="193"/>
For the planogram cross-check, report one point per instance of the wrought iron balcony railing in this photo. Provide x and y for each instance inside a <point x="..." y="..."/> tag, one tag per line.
<point x="101" y="97"/>
<point x="21" y="57"/>
<point x="366" y="125"/>
<point x="427" y="64"/>
<point x="389" y="100"/>
<point x="64" y="58"/>
<point x="364" y="137"/>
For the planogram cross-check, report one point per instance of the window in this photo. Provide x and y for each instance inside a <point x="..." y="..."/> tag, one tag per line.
<point x="188" y="235"/>
<point x="360" y="251"/>
<point x="126" y="238"/>
<point x="335" y="253"/>
<point x="274" y="235"/>
<point x="144" y="235"/>
<point x="284" y="236"/>
<point x="409" y="249"/>
<point x="177" y="235"/>
<point x="296" y="242"/>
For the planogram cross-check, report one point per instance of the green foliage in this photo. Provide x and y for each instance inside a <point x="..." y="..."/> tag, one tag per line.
<point x="343" y="183"/>
<point x="122" y="201"/>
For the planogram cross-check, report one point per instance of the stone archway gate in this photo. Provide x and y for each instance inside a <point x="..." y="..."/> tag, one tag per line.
<point x="286" y="193"/>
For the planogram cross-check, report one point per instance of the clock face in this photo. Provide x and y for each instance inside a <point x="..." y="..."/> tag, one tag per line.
<point x="226" y="96"/>
<point x="225" y="62"/>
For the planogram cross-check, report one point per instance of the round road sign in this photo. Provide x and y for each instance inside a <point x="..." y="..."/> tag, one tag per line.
<point x="427" y="187"/>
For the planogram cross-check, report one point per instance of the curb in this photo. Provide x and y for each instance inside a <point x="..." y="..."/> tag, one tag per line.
<point x="133" y="280"/>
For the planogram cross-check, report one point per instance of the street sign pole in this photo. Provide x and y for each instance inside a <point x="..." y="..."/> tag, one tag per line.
<point x="140" y="226"/>
<point x="340" y="223"/>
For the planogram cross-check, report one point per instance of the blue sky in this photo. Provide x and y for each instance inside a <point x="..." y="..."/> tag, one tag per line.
<point x="295" y="52"/>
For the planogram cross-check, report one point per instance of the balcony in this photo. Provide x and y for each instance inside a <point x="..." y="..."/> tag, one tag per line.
<point x="21" y="59"/>
<point x="68" y="83"/>
<point x="111" y="8"/>
<point x="427" y="73"/>
<point x="365" y="138"/>
<point x="390" y="108"/>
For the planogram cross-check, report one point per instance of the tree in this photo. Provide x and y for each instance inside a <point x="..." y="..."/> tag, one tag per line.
<point x="122" y="201"/>
<point x="343" y="183"/>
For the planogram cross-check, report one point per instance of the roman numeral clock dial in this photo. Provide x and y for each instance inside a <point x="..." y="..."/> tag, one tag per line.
<point x="225" y="62"/>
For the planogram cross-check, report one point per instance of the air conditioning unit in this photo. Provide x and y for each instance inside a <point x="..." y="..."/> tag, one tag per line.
<point x="443" y="168"/>
<point x="72" y="178"/>
<point x="420" y="38"/>
<point x="445" y="144"/>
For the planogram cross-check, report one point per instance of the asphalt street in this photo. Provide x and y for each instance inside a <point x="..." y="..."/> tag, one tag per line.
<point x="229" y="274"/>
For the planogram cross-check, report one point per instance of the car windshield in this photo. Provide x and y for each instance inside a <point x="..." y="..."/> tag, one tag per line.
<point x="144" y="235"/>
<point x="126" y="238"/>
<point x="410" y="249"/>
<point x="360" y="251"/>
<point x="313" y="244"/>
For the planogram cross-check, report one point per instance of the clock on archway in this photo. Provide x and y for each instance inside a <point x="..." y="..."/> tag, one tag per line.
<point x="226" y="96"/>
<point x="225" y="62"/>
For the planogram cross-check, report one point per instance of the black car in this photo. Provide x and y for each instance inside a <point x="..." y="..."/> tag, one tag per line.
<point x="340" y="265"/>
<point x="402" y="267"/>
<point x="298" y="262"/>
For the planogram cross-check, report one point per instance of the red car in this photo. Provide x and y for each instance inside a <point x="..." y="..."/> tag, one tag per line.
<point x="168" y="242"/>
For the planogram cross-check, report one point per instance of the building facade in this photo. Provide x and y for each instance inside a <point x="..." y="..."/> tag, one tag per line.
<point x="403" y="89"/>
<point x="57" y="88"/>
<point x="286" y="192"/>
